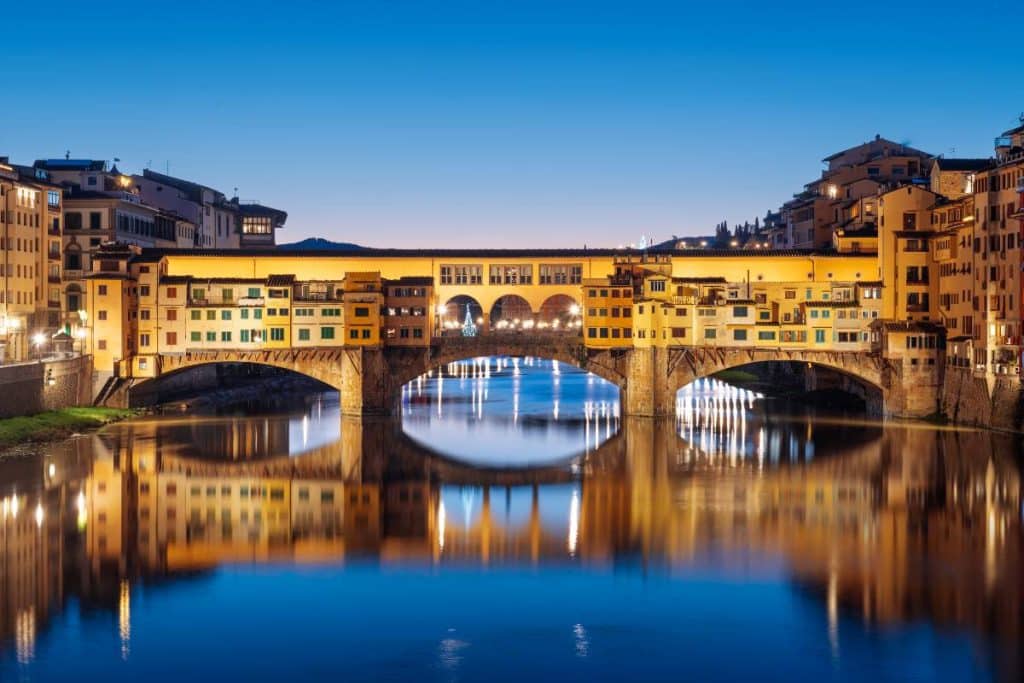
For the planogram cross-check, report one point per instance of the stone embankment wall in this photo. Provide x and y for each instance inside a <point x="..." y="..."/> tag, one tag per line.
<point x="29" y="388"/>
<point x="995" y="402"/>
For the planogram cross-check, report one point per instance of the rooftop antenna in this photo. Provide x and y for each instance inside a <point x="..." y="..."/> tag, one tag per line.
<point x="67" y="155"/>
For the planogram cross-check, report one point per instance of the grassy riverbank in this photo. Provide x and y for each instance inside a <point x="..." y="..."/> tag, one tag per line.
<point x="56" y="424"/>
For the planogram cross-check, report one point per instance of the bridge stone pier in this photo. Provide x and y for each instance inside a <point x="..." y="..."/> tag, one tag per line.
<point x="370" y="379"/>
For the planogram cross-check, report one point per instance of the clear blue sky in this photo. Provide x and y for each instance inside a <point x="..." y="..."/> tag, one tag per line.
<point x="492" y="123"/>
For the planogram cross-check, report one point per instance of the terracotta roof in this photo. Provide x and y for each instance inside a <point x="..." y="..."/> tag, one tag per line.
<point x="964" y="164"/>
<point x="280" y="280"/>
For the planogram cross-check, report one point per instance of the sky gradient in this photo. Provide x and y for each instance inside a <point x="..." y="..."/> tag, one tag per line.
<point x="522" y="123"/>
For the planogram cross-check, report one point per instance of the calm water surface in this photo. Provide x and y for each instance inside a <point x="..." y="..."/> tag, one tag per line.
<point x="512" y="525"/>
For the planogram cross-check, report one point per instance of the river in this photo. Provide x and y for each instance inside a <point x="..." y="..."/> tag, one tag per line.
<point x="512" y="525"/>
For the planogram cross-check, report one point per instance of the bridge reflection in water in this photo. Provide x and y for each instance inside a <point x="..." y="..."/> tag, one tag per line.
<point x="894" y="524"/>
<point x="510" y="411"/>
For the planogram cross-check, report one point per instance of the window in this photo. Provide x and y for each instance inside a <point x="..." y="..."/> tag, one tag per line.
<point x="353" y="334"/>
<point x="511" y="274"/>
<point x="561" y="274"/>
<point x="657" y="285"/>
<point x="172" y="314"/>
<point x="710" y="333"/>
<point x="254" y="292"/>
<point x="362" y="312"/>
<point x="739" y="311"/>
<point x="225" y="336"/>
<point x="256" y="225"/>
<point x="101" y="315"/>
<point x="143" y="340"/>
<point x="211" y="315"/>
<point x="327" y="333"/>
<point x="211" y="336"/>
<point x="366" y="334"/>
<point x="739" y="335"/>
<point x="95" y="220"/>
<point x="303" y="334"/>
<point x="243" y="336"/>
<point x="195" y="336"/>
<point x="819" y="336"/>
<point x="766" y="335"/>
<point x="101" y="290"/>
<point x="277" y="334"/>
<point x="462" y="274"/>
<point x="172" y="338"/>
<point x="225" y="315"/>
<point x="196" y="315"/>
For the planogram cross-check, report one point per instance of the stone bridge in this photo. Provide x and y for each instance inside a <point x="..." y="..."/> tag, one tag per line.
<point x="370" y="380"/>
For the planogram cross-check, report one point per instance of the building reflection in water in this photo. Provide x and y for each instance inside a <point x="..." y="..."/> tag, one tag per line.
<point x="893" y="524"/>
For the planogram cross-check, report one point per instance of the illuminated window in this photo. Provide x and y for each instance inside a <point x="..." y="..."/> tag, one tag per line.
<point x="257" y="225"/>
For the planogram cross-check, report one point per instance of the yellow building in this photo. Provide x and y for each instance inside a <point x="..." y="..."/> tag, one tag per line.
<point x="30" y="291"/>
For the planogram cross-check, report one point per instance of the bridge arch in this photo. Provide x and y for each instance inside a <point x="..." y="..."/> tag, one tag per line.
<point x="511" y="311"/>
<point x="452" y="313"/>
<point x="172" y="372"/>
<point x="559" y="310"/>
<point x="859" y="374"/>
<point x="565" y="348"/>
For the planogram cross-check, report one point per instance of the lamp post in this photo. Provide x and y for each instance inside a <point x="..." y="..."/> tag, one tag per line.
<point x="39" y="340"/>
<point x="574" y="316"/>
<point x="82" y="332"/>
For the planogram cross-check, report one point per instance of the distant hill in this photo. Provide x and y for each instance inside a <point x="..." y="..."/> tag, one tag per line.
<point x="319" y="244"/>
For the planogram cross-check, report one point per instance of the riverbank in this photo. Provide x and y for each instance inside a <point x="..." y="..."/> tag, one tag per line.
<point x="56" y="424"/>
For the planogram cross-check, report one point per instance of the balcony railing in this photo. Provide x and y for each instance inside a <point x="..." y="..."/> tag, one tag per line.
<point x="917" y="280"/>
<point x="315" y="296"/>
<point x="53" y="278"/>
<point x="53" y="255"/>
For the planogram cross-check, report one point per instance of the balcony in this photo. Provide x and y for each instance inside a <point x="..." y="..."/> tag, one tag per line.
<point x="917" y="308"/>
<point x="53" y="255"/>
<point x="54" y="279"/>
<point x="53" y="304"/>
<point x="917" y="281"/>
<point x="316" y="296"/>
<point x="53" y="231"/>
<point x="251" y="301"/>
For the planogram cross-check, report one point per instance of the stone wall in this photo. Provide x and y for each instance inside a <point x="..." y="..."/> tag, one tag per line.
<point x="28" y="388"/>
<point x="995" y="402"/>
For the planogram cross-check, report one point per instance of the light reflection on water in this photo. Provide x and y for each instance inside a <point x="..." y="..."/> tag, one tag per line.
<point x="814" y="546"/>
<point x="510" y="412"/>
